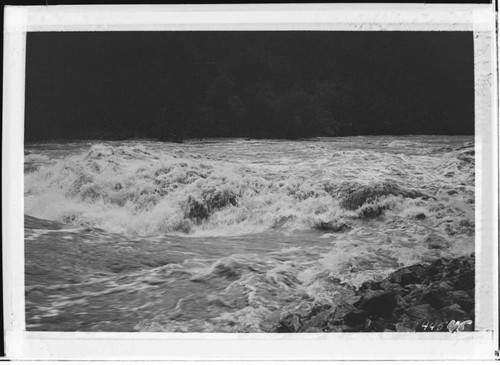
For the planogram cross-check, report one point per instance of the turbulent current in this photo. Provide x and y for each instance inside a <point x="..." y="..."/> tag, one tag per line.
<point x="230" y="235"/>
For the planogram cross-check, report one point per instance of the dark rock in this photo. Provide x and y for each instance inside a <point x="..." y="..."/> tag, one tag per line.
<point x="423" y="312"/>
<point x="183" y="226"/>
<point x="342" y="310"/>
<point x="319" y="309"/>
<point x="446" y="285"/>
<point x="435" y="241"/>
<point x="413" y="295"/>
<point x="220" y="199"/>
<point x="335" y="329"/>
<point x="401" y="291"/>
<point x="322" y="319"/>
<point x="466" y="227"/>
<point x="372" y="211"/>
<point x="378" y="302"/>
<point x="412" y="287"/>
<point x="369" y="285"/>
<point x="465" y="281"/>
<point x="196" y="211"/>
<point x="463" y="299"/>
<point x="459" y="272"/>
<point x="415" y="274"/>
<point x="420" y="216"/>
<point x="355" y="195"/>
<point x="374" y="324"/>
<point x="355" y="299"/>
<point x="37" y="223"/>
<point x="454" y="312"/>
<point x="471" y="313"/>
<point x="390" y="327"/>
<point x="314" y="329"/>
<point x="356" y="317"/>
<point x="332" y="227"/>
<point x="414" y="317"/>
<point x="459" y="266"/>
<point x="347" y="328"/>
<point x="290" y="323"/>
<point x="437" y="298"/>
<point x="436" y="269"/>
<point x="226" y="270"/>
<point x="387" y="285"/>
<point x="211" y="201"/>
<point x="405" y="324"/>
<point x="400" y="301"/>
<point x="281" y="221"/>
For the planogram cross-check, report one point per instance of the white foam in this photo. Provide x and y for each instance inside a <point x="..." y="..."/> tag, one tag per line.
<point x="144" y="188"/>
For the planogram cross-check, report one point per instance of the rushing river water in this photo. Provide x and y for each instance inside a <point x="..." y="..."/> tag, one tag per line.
<point x="229" y="235"/>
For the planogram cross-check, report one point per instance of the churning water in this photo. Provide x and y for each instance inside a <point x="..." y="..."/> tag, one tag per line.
<point x="229" y="235"/>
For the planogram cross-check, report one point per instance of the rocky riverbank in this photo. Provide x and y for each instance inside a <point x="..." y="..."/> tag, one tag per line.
<point x="410" y="299"/>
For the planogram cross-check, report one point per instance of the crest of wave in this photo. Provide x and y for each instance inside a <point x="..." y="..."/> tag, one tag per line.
<point x="140" y="191"/>
<point x="143" y="191"/>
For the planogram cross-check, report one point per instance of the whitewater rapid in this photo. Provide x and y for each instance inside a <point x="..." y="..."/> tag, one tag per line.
<point x="150" y="188"/>
<point x="267" y="225"/>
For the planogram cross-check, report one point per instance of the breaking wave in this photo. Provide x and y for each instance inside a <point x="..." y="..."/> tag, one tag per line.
<point x="145" y="189"/>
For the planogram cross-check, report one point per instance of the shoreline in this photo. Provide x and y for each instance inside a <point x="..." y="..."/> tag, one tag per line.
<point x="242" y="138"/>
<point x="414" y="298"/>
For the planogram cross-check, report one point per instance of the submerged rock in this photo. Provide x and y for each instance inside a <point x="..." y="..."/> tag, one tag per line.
<point x="435" y="241"/>
<point x="355" y="195"/>
<point x="212" y="200"/>
<point x="196" y="211"/>
<point x="372" y="211"/>
<point x="332" y="226"/>
<point x="38" y="223"/>
<point x="281" y="221"/>
<point x="220" y="199"/>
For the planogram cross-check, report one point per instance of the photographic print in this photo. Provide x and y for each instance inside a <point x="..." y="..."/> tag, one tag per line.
<point x="300" y="185"/>
<point x="249" y="181"/>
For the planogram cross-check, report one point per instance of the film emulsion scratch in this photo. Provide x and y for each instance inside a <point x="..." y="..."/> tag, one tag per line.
<point x="250" y="181"/>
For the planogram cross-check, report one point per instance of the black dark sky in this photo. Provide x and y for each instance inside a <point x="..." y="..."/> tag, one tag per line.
<point x="115" y="85"/>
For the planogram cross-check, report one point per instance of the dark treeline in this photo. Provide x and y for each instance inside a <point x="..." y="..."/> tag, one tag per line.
<point x="176" y="85"/>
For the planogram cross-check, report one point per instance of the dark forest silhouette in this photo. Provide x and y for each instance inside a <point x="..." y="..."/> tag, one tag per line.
<point x="177" y="85"/>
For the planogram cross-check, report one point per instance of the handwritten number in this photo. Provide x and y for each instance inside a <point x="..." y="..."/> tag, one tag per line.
<point x="462" y="325"/>
<point x="452" y="326"/>
<point x="457" y="326"/>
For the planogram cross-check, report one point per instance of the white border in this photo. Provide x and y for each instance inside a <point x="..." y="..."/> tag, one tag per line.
<point x="328" y="346"/>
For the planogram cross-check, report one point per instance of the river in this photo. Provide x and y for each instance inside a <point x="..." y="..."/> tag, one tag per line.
<point x="229" y="235"/>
